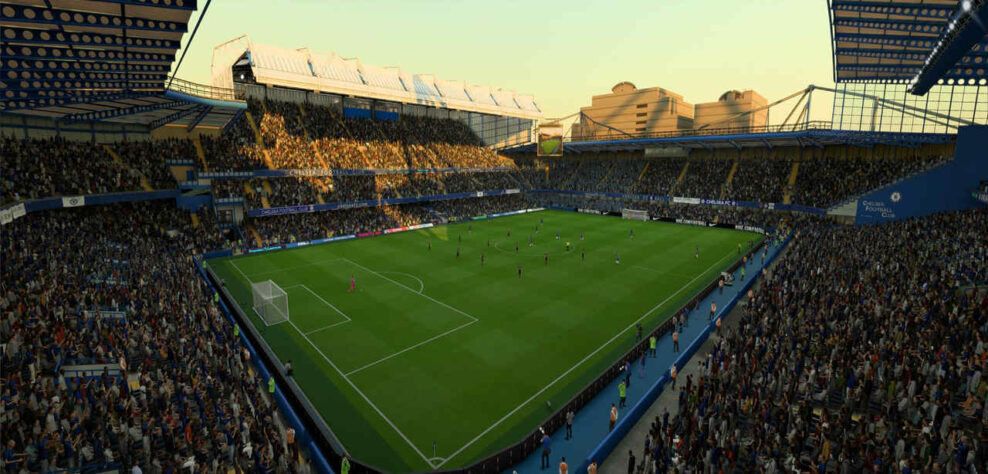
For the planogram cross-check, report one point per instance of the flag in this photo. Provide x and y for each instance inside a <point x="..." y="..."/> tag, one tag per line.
<point x="18" y="211"/>
<point x="73" y="201"/>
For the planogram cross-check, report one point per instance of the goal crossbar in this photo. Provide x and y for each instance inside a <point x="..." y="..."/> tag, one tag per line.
<point x="270" y="302"/>
<point x="635" y="214"/>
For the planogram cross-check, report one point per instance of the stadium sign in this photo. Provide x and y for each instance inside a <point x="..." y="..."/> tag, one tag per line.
<point x="750" y="228"/>
<point x="879" y="208"/>
<point x="73" y="201"/>
<point x="666" y="152"/>
<point x="693" y="222"/>
<point x="708" y="202"/>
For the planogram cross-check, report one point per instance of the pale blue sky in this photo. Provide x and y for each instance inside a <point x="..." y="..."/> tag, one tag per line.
<point x="562" y="52"/>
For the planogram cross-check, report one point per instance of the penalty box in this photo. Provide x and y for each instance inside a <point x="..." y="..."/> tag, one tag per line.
<point x="356" y="329"/>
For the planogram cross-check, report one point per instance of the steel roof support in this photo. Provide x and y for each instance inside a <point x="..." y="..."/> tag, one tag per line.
<point x="114" y="113"/>
<point x="967" y="29"/>
<point x="174" y="116"/>
<point x="236" y="118"/>
<point x="199" y="118"/>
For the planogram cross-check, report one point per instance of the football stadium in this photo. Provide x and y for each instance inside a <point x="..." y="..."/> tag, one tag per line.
<point x="282" y="259"/>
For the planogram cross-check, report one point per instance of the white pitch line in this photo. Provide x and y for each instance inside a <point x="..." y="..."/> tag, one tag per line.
<point x="564" y="374"/>
<point x="330" y="362"/>
<point x="327" y="303"/>
<point x="326" y="327"/>
<point x="433" y="338"/>
<point x="361" y="393"/>
<point x="413" y="291"/>
<point x="234" y="263"/>
<point x="421" y="284"/>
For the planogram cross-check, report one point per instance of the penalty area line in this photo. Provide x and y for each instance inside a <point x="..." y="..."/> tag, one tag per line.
<point x="362" y="395"/>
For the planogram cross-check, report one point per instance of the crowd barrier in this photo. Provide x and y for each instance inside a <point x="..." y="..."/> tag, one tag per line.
<point x="687" y="200"/>
<point x="312" y="172"/>
<point x="278" y="211"/>
<point x="624" y="425"/>
<point x="16" y="211"/>
<point x="311" y="433"/>
<point x="336" y="238"/>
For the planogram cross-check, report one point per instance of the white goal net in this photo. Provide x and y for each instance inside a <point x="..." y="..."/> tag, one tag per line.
<point x="270" y="302"/>
<point x="635" y="214"/>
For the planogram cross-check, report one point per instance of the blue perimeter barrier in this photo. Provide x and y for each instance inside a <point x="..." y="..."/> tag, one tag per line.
<point x="264" y="173"/>
<point x="685" y="200"/>
<point x="624" y="425"/>
<point x="15" y="211"/>
<point x="302" y="435"/>
<point x="277" y="211"/>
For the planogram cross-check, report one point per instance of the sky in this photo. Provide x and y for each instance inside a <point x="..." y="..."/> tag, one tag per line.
<point x="562" y="52"/>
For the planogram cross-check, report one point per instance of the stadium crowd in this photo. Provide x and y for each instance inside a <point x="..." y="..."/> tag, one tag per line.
<point x="820" y="183"/>
<point x="863" y="350"/>
<point x="39" y="168"/>
<point x="148" y="158"/>
<point x="761" y="179"/>
<point x="704" y="178"/>
<point x="823" y="183"/>
<point x="176" y="390"/>
<point x="669" y="210"/>
<point x="292" y="191"/>
<point x="289" y="228"/>
<point x="310" y="136"/>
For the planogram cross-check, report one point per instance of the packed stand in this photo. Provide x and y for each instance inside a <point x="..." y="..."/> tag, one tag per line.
<point x="825" y="182"/>
<point x="673" y="211"/>
<point x="863" y="350"/>
<point x="35" y="168"/>
<point x="622" y="176"/>
<point x="177" y="392"/>
<point x="760" y="180"/>
<point x="294" y="191"/>
<point x="289" y="228"/>
<point x="659" y="176"/>
<point x="704" y="178"/>
<point x="148" y="156"/>
<point x="309" y="136"/>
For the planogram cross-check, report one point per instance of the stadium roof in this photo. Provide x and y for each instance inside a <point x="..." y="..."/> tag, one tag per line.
<point x="103" y="60"/>
<point x="916" y="42"/>
<point x="331" y="73"/>
<point x="812" y="134"/>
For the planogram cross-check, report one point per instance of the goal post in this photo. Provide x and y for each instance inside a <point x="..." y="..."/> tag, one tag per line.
<point x="270" y="302"/>
<point x="636" y="214"/>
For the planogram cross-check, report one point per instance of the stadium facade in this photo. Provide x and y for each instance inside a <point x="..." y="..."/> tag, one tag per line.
<point x="499" y="117"/>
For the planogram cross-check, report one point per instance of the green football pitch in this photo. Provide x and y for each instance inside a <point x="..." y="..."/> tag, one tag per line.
<point x="436" y="361"/>
<point x="550" y="146"/>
